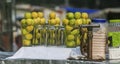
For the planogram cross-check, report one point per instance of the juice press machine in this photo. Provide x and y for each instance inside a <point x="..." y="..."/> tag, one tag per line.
<point x="94" y="46"/>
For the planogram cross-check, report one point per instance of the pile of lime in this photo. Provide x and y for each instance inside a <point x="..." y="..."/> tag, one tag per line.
<point x="72" y="20"/>
<point x="30" y="20"/>
<point x="53" y="33"/>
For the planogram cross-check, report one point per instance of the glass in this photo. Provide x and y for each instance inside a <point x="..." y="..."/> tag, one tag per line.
<point x="55" y="36"/>
<point x="51" y="36"/>
<point x="40" y="35"/>
<point x="60" y="35"/>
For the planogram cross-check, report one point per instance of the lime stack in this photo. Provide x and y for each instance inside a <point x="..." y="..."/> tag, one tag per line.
<point x="77" y="23"/>
<point x="85" y="20"/>
<point x="28" y="23"/>
<point x="53" y="19"/>
<point x="27" y="29"/>
<point x="69" y="23"/>
<point x="53" y="22"/>
<point x="39" y="29"/>
<point x="74" y="20"/>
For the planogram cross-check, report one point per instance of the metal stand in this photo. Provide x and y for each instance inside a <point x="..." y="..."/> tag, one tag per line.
<point x="86" y="47"/>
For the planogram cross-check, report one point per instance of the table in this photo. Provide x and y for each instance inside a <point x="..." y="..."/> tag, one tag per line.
<point x="30" y="61"/>
<point x="4" y="55"/>
<point x="41" y="61"/>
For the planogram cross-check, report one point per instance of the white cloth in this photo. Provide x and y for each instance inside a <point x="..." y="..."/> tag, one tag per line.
<point x="41" y="52"/>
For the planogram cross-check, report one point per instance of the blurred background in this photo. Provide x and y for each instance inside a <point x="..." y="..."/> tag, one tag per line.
<point x="12" y="11"/>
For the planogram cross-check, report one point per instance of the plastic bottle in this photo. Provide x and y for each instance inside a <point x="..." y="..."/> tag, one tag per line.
<point x="103" y="25"/>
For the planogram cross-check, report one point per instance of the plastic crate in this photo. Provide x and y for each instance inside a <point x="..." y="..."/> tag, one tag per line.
<point x="89" y="11"/>
<point x="114" y="32"/>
